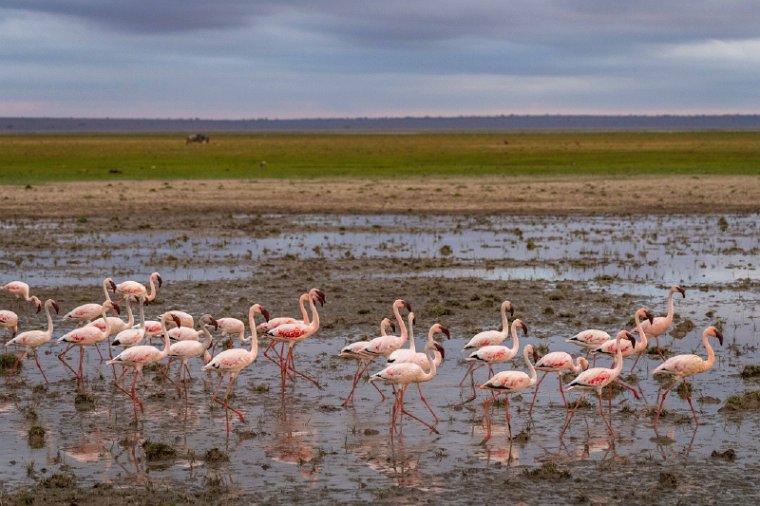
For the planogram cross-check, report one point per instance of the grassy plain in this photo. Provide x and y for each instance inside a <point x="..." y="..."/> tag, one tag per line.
<point x="28" y="159"/>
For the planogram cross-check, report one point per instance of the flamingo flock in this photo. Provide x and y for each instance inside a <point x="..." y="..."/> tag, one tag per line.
<point x="404" y="365"/>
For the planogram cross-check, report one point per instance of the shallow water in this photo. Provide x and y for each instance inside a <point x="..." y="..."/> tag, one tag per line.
<point x="303" y="437"/>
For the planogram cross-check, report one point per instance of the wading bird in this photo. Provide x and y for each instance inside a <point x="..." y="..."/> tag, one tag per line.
<point x="86" y="336"/>
<point x="489" y="337"/>
<point x="559" y="362"/>
<point x="33" y="339"/>
<point x="9" y="321"/>
<point x="595" y="379"/>
<point x="401" y="376"/>
<point x="235" y="360"/>
<point x="134" y="290"/>
<point x="87" y="312"/>
<point x="507" y="383"/>
<point x="683" y="366"/>
<point x="356" y="351"/>
<point x="661" y="324"/>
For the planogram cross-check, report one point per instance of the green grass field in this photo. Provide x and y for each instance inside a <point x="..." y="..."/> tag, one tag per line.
<point x="27" y="159"/>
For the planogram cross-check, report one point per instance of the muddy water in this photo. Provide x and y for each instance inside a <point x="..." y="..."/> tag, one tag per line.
<point x="563" y="274"/>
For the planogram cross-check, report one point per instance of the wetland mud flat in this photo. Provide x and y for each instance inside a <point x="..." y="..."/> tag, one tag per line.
<point x="563" y="269"/>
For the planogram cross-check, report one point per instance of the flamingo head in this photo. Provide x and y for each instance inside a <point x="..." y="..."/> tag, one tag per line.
<point x="647" y="314"/>
<point x="111" y="285"/>
<point x="55" y="306"/>
<point x="440" y="350"/>
<point x="37" y="303"/>
<point x="535" y="354"/>
<point x="678" y="289"/>
<point x="443" y="330"/>
<point x="318" y="295"/>
<point x="629" y="336"/>
<point x="402" y="303"/>
<point x="263" y="312"/>
<point x="158" y="279"/>
<point x="508" y="307"/>
<point x="113" y="306"/>
<point x="207" y="319"/>
<point x="583" y="363"/>
<point x="520" y="324"/>
<point x="176" y="319"/>
<point x="713" y="331"/>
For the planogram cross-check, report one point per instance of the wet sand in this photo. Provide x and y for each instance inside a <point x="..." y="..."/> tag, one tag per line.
<point x="219" y="254"/>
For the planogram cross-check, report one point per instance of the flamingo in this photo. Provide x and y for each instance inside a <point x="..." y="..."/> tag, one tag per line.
<point x="138" y="357"/>
<point x="559" y="362"/>
<point x="135" y="290"/>
<point x="86" y="336"/>
<point x="403" y="374"/>
<point x="490" y="337"/>
<point x="235" y="360"/>
<point x="21" y="291"/>
<point x="9" y="321"/>
<point x="87" y="312"/>
<point x="33" y="339"/>
<point x="508" y="382"/>
<point x="495" y="354"/>
<point x="595" y="379"/>
<point x="134" y="335"/>
<point x="609" y="347"/>
<point x="185" y="319"/>
<point x="402" y="356"/>
<point x="661" y="324"/>
<point x="185" y="350"/>
<point x="356" y="351"/>
<point x="177" y="334"/>
<point x="683" y="366"/>
<point x="231" y="326"/>
<point x="116" y="324"/>
<point x="290" y="334"/>
<point x="283" y="320"/>
<point x="385" y="345"/>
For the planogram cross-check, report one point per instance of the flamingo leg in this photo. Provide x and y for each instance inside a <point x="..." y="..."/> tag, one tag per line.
<point x="469" y="371"/>
<point x="62" y="359"/>
<point x="633" y="367"/>
<point x="80" y="374"/>
<point x="473" y="367"/>
<point x="535" y="393"/>
<point x="659" y="350"/>
<point x="509" y="419"/>
<point x="562" y="389"/>
<point x="190" y="376"/>
<point x="659" y="407"/>
<point x="292" y="367"/>
<point x="487" y="420"/>
<point x="435" y="417"/>
<point x="225" y="403"/>
<point x="97" y="348"/>
<point x="40" y="368"/>
<point x="628" y="387"/>
<point x="570" y="415"/>
<point x="601" y="413"/>
<point x="135" y="400"/>
<point x="216" y="389"/>
<point x="694" y="413"/>
<point x="357" y="376"/>
<point x="266" y="352"/>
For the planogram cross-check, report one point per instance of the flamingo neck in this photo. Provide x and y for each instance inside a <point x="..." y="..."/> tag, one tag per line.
<point x="400" y="321"/>
<point x="412" y="346"/>
<point x="577" y="366"/>
<point x="710" y="353"/>
<point x="207" y="342"/>
<point x="671" y="308"/>
<point x="49" y="318"/>
<point x="152" y="294"/>
<point x="302" y="306"/>
<point x="107" y="322"/>
<point x="430" y="353"/>
<point x="504" y="321"/>
<point x="515" y="338"/>
<point x="142" y="313"/>
<point x="642" y="344"/>
<point x="533" y="374"/>
<point x="254" y="335"/>
<point x="618" y="358"/>
<point x="105" y="289"/>
<point x="130" y="315"/>
<point x="167" y="342"/>
<point x="314" y="325"/>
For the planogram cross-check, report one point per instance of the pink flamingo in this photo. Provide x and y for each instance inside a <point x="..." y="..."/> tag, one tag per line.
<point x="177" y="334"/>
<point x="495" y="354"/>
<point x="508" y="382"/>
<point x="116" y="324"/>
<point x="135" y="290"/>
<point x="21" y="291"/>
<point x="661" y="324"/>
<point x="86" y="336"/>
<point x="489" y="337"/>
<point x="290" y="334"/>
<point x="138" y="357"/>
<point x="356" y="351"/>
<point x="88" y="312"/>
<point x="9" y="321"/>
<point x="185" y="350"/>
<point x="385" y="345"/>
<point x="596" y="379"/>
<point x="401" y="376"/>
<point x="235" y="360"/>
<point x="185" y="319"/>
<point x="33" y="339"/>
<point x="559" y="362"/>
<point x="610" y="347"/>
<point x="683" y="366"/>
<point x="133" y="335"/>
<point x="283" y="320"/>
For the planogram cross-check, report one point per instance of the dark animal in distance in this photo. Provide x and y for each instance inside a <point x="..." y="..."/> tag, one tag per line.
<point x="199" y="138"/>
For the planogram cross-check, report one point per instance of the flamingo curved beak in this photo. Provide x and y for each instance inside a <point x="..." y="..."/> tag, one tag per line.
<point x="630" y="337"/>
<point x="39" y="307"/>
<point x="56" y="307"/>
<point x="511" y="310"/>
<point x="176" y="320"/>
<point x="159" y="281"/>
<point x="446" y="332"/>
<point x="525" y="328"/>
<point x="719" y="335"/>
<point x="265" y="314"/>
<point x="116" y="307"/>
<point x="393" y="327"/>
<point x="649" y="316"/>
<point x="440" y="350"/>
<point x="681" y="291"/>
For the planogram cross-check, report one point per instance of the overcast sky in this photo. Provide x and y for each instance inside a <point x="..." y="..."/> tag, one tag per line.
<point x="347" y="58"/>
